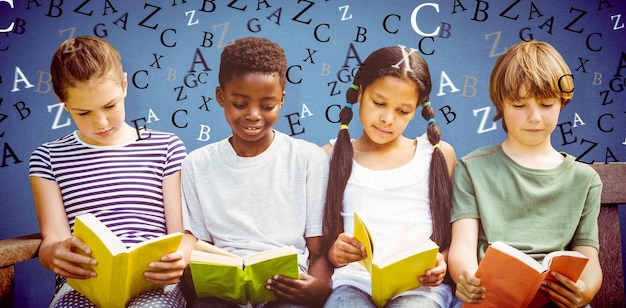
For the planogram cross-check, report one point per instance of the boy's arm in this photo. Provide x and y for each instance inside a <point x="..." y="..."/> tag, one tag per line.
<point x="320" y="268"/>
<point x="463" y="260"/>
<point x="577" y="293"/>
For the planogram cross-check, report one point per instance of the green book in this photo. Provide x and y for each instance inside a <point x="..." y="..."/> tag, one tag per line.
<point x="219" y="274"/>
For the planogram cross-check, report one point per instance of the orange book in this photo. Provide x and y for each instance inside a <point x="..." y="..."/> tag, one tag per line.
<point x="513" y="279"/>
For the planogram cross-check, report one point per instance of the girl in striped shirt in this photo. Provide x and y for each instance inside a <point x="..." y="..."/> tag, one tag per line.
<point x="128" y="178"/>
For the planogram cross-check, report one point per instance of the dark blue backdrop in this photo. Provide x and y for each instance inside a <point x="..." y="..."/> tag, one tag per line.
<point x="170" y="50"/>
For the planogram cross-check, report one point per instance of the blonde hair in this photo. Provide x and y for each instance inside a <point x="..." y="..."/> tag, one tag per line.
<point x="81" y="59"/>
<point x="530" y="69"/>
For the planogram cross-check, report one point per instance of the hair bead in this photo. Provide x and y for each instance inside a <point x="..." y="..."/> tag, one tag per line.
<point x="344" y="126"/>
<point x="349" y="105"/>
<point x="353" y="86"/>
<point x="436" y="146"/>
<point x="431" y="120"/>
<point x="426" y="104"/>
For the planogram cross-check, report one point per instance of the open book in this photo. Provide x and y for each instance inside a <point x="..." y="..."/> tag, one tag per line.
<point x="120" y="271"/>
<point x="220" y="274"/>
<point x="396" y="272"/>
<point x="513" y="278"/>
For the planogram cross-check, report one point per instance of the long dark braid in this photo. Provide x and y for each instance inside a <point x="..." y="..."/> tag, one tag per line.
<point x="405" y="64"/>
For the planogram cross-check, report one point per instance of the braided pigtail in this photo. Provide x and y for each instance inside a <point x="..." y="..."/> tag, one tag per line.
<point x="439" y="183"/>
<point x="339" y="172"/>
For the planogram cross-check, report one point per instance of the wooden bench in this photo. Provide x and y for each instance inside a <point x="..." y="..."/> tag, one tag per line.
<point x="611" y="294"/>
<point x="613" y="177"/>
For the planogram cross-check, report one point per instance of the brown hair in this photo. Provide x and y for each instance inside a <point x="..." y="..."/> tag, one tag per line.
<point x="405" y="64"/>
<point x="533" y="66"/>
<point x="252" y="55"/>
<point x="81" y="59"/>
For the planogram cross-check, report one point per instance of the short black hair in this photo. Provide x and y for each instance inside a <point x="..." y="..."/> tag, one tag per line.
<point x="252" y="55"/>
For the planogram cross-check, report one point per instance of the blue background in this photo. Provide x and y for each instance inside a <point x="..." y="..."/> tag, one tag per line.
<point x="324" y="41"/>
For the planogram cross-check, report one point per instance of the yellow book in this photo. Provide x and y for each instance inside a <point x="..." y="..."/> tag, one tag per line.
<point x="119" y="270"/>
<point x="396" y="272"/>
<point x="220" y="274"/>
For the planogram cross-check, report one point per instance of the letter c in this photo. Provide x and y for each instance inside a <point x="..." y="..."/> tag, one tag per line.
<point x="10" y="28"/>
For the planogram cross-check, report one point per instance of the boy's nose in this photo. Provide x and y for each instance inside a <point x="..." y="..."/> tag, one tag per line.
<point x="253" y="114"/>
<point x="534" y="114"/>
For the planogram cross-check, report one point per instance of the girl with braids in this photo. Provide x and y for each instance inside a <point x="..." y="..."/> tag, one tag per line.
<point x="401" y="185"/>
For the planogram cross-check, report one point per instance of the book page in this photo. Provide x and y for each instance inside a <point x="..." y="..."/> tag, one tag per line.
<point x="208" y="247"/>
<point x="568" y="263"/>
<point x="407" y="250"/>
<point x="90" y="229"/>
<point x="363" y="235"/>
<point x="198" y="256"/>
<point x="269" y="254"/>
<point x="514" y="252"/>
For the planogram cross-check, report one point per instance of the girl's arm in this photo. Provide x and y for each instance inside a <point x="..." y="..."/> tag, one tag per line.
<point x="59" y="249"/>
<point x="171" y="266"/>
<point x="463" y="260"/>
<point x="346" y="249"/>
<point x="449" y="154"/>
<point x="579" y="293"/>
<point x="172" y="202"/>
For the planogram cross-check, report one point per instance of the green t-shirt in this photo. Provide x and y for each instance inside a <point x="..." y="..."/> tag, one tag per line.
<point x="536" y="211"/>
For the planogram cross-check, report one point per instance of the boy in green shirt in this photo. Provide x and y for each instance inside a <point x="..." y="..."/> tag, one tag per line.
<point x="524" y="192"/>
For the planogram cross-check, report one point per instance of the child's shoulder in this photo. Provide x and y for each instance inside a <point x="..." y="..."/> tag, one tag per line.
<point x="300" y="143"/>
<point x="60" y="142"/>
<point x="579" y="170"/>
<point x="482" y="153"/>
<point x="149" y="133"/>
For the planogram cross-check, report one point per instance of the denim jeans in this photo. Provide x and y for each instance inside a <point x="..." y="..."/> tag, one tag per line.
<point x="218" y="303"/>
<point x="349" y="296"/>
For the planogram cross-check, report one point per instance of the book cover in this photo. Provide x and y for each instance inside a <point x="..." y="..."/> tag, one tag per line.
<point x="119" y="270"/>
<point x="219" y="274"/>
<point x="513" y="279"/>
<point x="396" y="272"/>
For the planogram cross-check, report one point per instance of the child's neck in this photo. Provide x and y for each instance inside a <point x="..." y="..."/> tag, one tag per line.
<point x="384" y="156"/>
<point x="251" y="149"/>
<point x="542" y="156"/>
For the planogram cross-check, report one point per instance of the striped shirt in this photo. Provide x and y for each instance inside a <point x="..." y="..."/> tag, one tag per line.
<point x="121" y="185"/>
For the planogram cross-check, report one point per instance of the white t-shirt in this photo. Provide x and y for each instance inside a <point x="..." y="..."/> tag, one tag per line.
<point x="251" y="204"/>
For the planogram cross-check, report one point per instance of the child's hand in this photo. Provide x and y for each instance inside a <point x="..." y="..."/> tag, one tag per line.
<point x="65" y="257"/>
<point x="433" y="277"/>
<point x="306" y="290"/>
<point x="168" y="270"/>
<point x="468" y="288"/>
<point x="346" y="249"/>
<point x="564" y="292"/>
